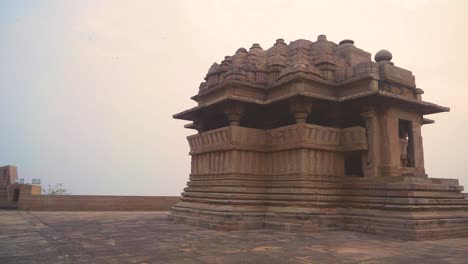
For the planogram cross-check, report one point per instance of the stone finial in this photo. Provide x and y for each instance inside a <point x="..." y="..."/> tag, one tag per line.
<point x="321" y="38"/>
<point x="383" y="55"/>
<point x="255" y="46"/>
<point x="346" y="41"/>
<point x="279" y="41"/>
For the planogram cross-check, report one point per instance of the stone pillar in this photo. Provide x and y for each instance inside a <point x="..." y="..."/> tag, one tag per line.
<point x="418" y="147"/>
<point x="390" y="143"/>
<point x="233" y="112"/>
<point x="371" y="158"/>
<point x="300" y="109"/>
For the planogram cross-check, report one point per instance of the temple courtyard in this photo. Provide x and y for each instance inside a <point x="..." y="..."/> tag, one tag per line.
<point x="148" y="237"/>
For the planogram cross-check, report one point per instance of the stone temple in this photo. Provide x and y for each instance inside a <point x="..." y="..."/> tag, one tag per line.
<point x="311" y="136"/>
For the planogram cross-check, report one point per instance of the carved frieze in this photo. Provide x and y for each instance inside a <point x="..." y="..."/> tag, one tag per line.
<point x="397" y="89"/>
<point x="299" y="135"/>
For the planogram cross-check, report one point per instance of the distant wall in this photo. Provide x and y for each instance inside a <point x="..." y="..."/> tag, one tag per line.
<point x="96" y="203"/>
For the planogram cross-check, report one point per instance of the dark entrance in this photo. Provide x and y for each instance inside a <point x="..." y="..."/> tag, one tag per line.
<point x="353" y="163"/>
<point x="16" y="195"/>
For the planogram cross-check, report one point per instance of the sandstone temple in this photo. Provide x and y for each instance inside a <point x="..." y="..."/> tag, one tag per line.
<point x="311" y="136"/>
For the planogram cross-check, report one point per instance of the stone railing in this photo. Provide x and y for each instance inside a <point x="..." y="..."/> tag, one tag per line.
<point x="324" y="136"/>
<point x="353" y="138"/>
<point x="213" y="139"/>
<point x="293" y="136"/>
<point x="314" y="136"/>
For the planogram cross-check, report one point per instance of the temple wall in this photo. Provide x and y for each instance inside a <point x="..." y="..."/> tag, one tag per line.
<point x="314" y="162"/>
<point x="325" y="163"/>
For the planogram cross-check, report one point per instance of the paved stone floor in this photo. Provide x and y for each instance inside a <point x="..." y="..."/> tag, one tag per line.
<point x="147" y="237"/>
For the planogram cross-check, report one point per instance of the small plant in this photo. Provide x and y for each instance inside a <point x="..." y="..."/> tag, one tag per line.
<point x="57" y="189"/>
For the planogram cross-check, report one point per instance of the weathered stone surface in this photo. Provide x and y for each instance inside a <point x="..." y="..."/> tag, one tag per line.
<point x="147" y="237"/>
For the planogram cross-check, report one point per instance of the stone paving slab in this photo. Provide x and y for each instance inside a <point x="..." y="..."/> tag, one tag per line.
<point x="147" y="237"/>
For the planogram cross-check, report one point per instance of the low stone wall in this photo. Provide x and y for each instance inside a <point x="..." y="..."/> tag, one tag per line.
<point x="96" y="203"/>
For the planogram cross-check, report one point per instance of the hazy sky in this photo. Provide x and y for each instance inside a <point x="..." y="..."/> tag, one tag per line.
<point x="88" y="88"/>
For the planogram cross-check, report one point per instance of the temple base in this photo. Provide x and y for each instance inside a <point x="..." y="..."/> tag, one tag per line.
<point x="403" y="207"/>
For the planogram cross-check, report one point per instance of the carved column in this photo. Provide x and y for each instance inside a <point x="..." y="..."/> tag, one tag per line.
<point x="372" y="156"/>
<point x="390" y="143"/>
<point x="234" y="113"/>
<point x="300" y="109"/>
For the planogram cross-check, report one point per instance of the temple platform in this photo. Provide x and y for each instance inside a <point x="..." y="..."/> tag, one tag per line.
<point x="408" y="208"/>
<point x="147" y="237"/>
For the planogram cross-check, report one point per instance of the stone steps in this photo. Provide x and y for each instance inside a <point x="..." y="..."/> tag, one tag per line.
<point x="345" y="204"/>
<point x="217" y="220"/>
<point x="342" y="192"/>
<point x="231" y="197"/>
<point x="320" y="178"/>
<point x="293" y="211"/>
<point x="379" y="222"/>
<point x="322" y="185"/>
<point x="406" y="207"/>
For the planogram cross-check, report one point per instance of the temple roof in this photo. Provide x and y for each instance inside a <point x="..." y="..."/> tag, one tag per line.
<point x="282" y="60"/>
<point x="321" y="69"/>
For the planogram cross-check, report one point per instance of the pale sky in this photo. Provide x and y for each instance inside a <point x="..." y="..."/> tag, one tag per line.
<point x="88" y="88"/>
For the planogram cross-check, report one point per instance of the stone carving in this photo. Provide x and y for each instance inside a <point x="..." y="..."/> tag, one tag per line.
<point x="397" y="89"/>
